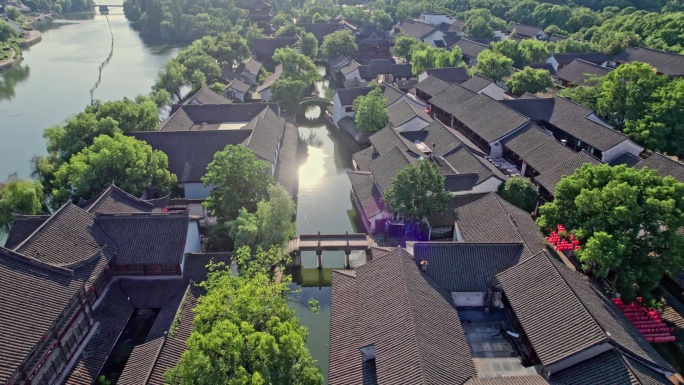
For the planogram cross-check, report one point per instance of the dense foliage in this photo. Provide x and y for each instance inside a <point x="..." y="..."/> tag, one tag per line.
<point x="627" y="220"/>
<point x="493" y="65"/>
<point x="418" y="191"/>
<point x="529" y="80"/>
<point x="19" y="197"/>
<point x="296" y="66"/>
<point x="239" y="180"/>
<point x="370" y="111"/>
<point x="289" y="92"/>
<point x="431" y="57"/>
<point x="244" y="330"/>
<point x="339" y="43"/>
<point x="521" y="192"/>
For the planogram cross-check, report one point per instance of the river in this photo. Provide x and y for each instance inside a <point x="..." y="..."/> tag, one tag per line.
<point x="54" y="80"/>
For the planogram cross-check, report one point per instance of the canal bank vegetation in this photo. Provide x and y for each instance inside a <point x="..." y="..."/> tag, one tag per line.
<point x="19" y="196"/>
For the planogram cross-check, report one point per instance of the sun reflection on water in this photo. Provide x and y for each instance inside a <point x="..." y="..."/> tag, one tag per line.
<point x="313" y="171"/>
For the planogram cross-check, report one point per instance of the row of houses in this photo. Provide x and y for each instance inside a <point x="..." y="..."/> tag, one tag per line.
<point x="72" y="280"/>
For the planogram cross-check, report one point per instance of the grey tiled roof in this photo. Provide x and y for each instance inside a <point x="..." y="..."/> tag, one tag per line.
<point x="287" y="173"/>
<point x="404" y="111"/>
<point x="407" y="317"/>
<point x="190" y="152"/>
<point x="206" y="96"/>
<point x="449" y="74"/>
<point x="664" y="165"/>
<point x="349" y="68"/>
<point x="462" y="160"/>
<point x="561" y="295"/>
<point x="238" y="85"/>
<point x="252" y="66"/>
<point x="467" y="267"/>
<point x="432" y="85"/>
<point x="591" y="57"/>
<point x="487" y="117"/>
<point x="321" y="30"/>
<point x="211" y="116"/>
<point x="525" y="30"/>
<point x="34" y="296"/>
<point x="517" y="380"/>
<point x="440" y="138"/>
<point x="140" y="363"/>
<point x="492" y="219"/>
<point x="70" y="238"/>
<point x="452" y="97"/>
<point x="556" y="38"/>
<point x="363" y="158"/>
<point x="627" y="159"/>
<point x="609" y="368"/>
<point x="271" y="79"/>
<point x="391" y="93"/>
<point x="416" y="29"/>
<point x="537" y="148"/>
<point x="365" y="191"/>
<point x="387" y="139"/>
<point x="578" y="71"/>
<point x="266" y="135"/>
<point x="268" y="45"/>
<point x="477" y="83"/>
<point x="115" y="200"/>
<point x="386" y="167"/>
<point x="22" y="227"/>
<point x="404" y="70"/>
<point x="668" y="63"/>
<point x="447" y="218"/>
<point x="348" y="95"/>
<point x="381" y="66"/>
<point x="544" y="66"/>
<point x="550" y="178"/>
<point x="469" y="48"/>
<point x="571" y="118"/>
<point x="145" y="239"/>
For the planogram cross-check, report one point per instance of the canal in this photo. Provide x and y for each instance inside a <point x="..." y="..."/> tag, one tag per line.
<point x="53" y="81"/>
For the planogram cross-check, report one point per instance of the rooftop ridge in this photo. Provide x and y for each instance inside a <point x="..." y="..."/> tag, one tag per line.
<point x="652" y="49"/>
<point x="44" y="224"/>
<point x="16" y="256"/>
<point x="168" y="214"/>
<point x="113" y="188"/>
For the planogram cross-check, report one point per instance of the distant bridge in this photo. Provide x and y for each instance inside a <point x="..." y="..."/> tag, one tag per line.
<point x="329" y="242"/>
<point x="315" y="100"/>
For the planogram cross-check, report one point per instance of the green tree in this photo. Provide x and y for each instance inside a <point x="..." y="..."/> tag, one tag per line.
<point x="381" y="19"/>
<point x="171" y="79"/>
<point x="317" y="18"/>
<point x="520" y="192"/>
<point x="239" y="180"/>
<point x="309" y="45"/>
<point x="478" y="27"/>
<point x="627" y="221"/>
<point x="529" y="80"/>
<point x="124" y="160"/>
<point x="404" y="46"/>
<point x="613" y="43"/>
<point x="131" y="115"/>
<point x="418" y="191"/>
<point x="281" y="19"/>
<point x="245" y="333"/>
<point x="296" y="65"/>
<point x="511" y="50"/>
<point x="13" y="13"/>
<point x="573" y="45"/>
<point x="584" y="95"/>
<point x="219" y="237"/>
<point x="370" y="111"/>
<point x="78" y="133"/>
<point x="271" y="226"/>
<point x="6" y="31"/>
<point x="626" y="92"/>
<point x="661" y="128"/>
<point x="289" y="30"/>
<point x="339" y="43"/>
<point x="289" y="92"/>
<point x="19" y="197"/>
<point x="536" y="51"/>
<point x="493" y="65"/>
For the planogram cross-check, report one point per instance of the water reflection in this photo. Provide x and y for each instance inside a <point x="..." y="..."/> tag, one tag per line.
<point x="313" y="170"/>
<point x="10" y="78"/>
<point x="313" y="112"/>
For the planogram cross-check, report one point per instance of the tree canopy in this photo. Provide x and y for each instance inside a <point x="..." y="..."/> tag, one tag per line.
<point x="418" y="191"/>
<point x="129" y="163"/>
<point x="245" y="332"/>
<point x="6" y="31"/>
<point x="511" y="50"/>
<point x="530" y="80"/>
<point x="19" y="197"/>
<point x="309" y="45"/>
<point x="339" y="43"/>
<point x="627" y="221"/>
<point x="289" y="92"/>
<point x="520" y="192"/>
<point x="239" y="180"/>
<point x="405" y="45"/>
<point x="296" y="65"/>
<point x="431" y="57"/>
<point x="370" y="111"/>
<point x="493" y="65"/>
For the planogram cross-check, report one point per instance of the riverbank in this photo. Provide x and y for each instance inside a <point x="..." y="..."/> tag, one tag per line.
<point x="10" y="62"/>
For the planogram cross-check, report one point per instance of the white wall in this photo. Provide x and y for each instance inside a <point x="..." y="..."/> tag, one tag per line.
<point x="353" y="75"/>
<point x="553" y="62"/>
<point x="436" y="19"/>
<point x="197" y="190"/>
<point x="232" y="93"/>
<point x="193" y="242"/>
<point x="436" y="36"/>
<point x="249" y="78"/>
<point x="338" y="110"/>
<point x="414" y="124"/>
<point x="625" y="146"/>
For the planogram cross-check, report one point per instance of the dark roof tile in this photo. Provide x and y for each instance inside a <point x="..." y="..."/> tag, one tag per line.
<point x="590" y="57"/>
<point x="22" y="227"/>
<point x="549" y="179"/>
<point x="432" y="85"/>
<point x="365" y="191"/>
<point x="268" y="45"/>
<point x="664" y="165"/>
<point x="477" y="83"/>
<point x="668" y="63"/>
<point x="579" y="71"/>
<point x="469" y="48"/>
<point x="140" y="363"/>
<point x="206" y="96"/>
<point x="449" y="74"/>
